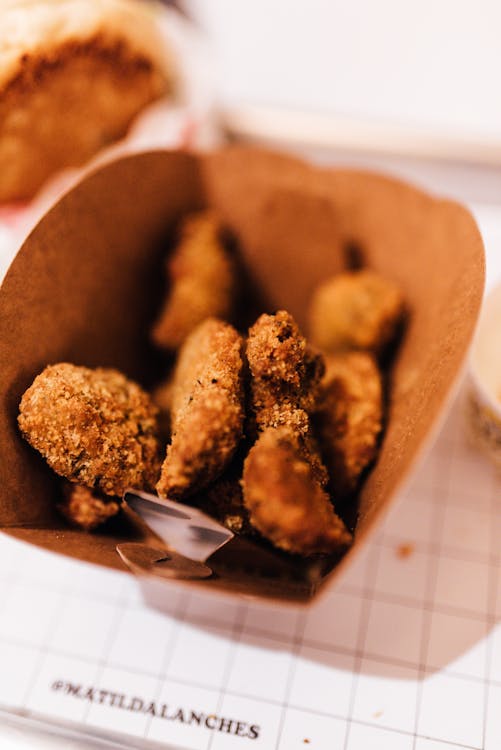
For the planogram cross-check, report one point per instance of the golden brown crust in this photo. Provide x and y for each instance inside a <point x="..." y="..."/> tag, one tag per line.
<point x="356" y="310"/>
<point x="162" y="398"/>
<point x="64" y="104"/>
<point x="285" y="377"/>
<point x="202" y="281"/>
<point x="285" y="502"/>
<point x="285" y="373"/>
<point x="85" y="508"/>
<point x="206" y="410"/>
<point x="94" y="427"/>
<point x="223" y="500"/>
<point x="349" y="417"/>
<point x="34" y="68"/>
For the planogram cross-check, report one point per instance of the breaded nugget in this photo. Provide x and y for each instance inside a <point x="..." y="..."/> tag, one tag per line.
<point x="223" y="501"/>
<point x="349" y="417"/>
<point x="162" y="397"/>
<point x="285" y="373"/>
<point x="356" y="310"/>
<point x="207" y="409"/>
<point x="87" y="509"/>
<point x="285" y="377"/>
<point x="285" y="502"/>
<point x="94" y="427"/>
<point x="202" y="281"/>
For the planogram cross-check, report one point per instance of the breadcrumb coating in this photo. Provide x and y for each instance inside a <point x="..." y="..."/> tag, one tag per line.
<point x="161" y="397"/>
<point x="223" y="501"/>
<point x="207" y="409"/>
<point x="94" y="427"/>
<point x="356" y="310"/>
<point x="285" y="502"/>
<point x="202" y="281"/>
<point x="85" y="508"/>
<point x="285" y="377"/>
<point x="285" y="373"/>
<point x="349" y="418"/>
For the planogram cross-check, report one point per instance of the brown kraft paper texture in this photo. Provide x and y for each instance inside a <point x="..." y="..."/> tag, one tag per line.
<point x="85" y="287"/>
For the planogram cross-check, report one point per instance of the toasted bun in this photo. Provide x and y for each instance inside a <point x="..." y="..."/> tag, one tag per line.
<point x="73" y="75"/>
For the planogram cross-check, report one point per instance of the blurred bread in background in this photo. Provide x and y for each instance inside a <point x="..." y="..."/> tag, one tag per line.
<point x="73" y="76"/>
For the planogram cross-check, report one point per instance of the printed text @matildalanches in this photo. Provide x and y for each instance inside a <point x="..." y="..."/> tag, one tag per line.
<point x="157" y="710"/>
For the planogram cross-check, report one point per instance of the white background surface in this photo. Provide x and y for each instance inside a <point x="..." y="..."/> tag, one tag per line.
<point x="431" y="65"/>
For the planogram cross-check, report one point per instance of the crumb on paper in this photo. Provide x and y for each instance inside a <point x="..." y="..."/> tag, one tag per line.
<point x="405" y="550"/>
<point x="377" y="714"/>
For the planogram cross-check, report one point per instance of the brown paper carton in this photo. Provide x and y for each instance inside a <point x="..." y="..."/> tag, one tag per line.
<point x="86" y="285"/>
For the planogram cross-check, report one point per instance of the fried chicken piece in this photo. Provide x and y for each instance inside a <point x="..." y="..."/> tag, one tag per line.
<point x="285" y="377"/>
<point x="162" y="398"/>
<point x="94" y="427"/>
<point x="285" y="502"/>
<point x="356" y="310"/>
<point x="349" y="417"/>
<point x="87" y="509"/>
<point x="207" y="409"/>
<point x="285" y="372"/>
<point x="223" y="501"/>
<point x="202" y="281"/>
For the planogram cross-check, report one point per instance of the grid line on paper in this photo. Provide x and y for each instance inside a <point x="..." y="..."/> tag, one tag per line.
<point x="383" y="660"/>
<point x="388" y="541"/>
<point x="238" y="627"/>
<point x="295" y="647"/>
<point x="431" y="583"/>
<point x="370" y="578"/>
<point x="44" y="650"/>
<point x="492" y="596"/>
<point x="179" y="615"/>
<point x="454" y="553"/>
<point x="103" y="660"/>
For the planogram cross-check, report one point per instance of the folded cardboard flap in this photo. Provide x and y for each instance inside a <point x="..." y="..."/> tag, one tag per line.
<point x="86" y="284"/>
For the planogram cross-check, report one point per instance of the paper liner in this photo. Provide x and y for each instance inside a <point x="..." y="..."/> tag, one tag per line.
<point x="86" y="285"/>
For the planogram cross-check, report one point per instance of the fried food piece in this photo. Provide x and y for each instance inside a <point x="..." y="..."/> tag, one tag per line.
<point x="224" y="502"/>
<point x="349" y="418"/>
<point x="285" y="373"/>
<point x="207" y="409"/>
<point x="285" y="502"/>
<point x="202" y="281"/>
<point x="74" y="75"/>
<point x="285" y="377"/>
<point x="94" y="427"/>
<point x="162" y="397"/>
<point x="356" y="310"/>
<point x="87" y="509"/>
